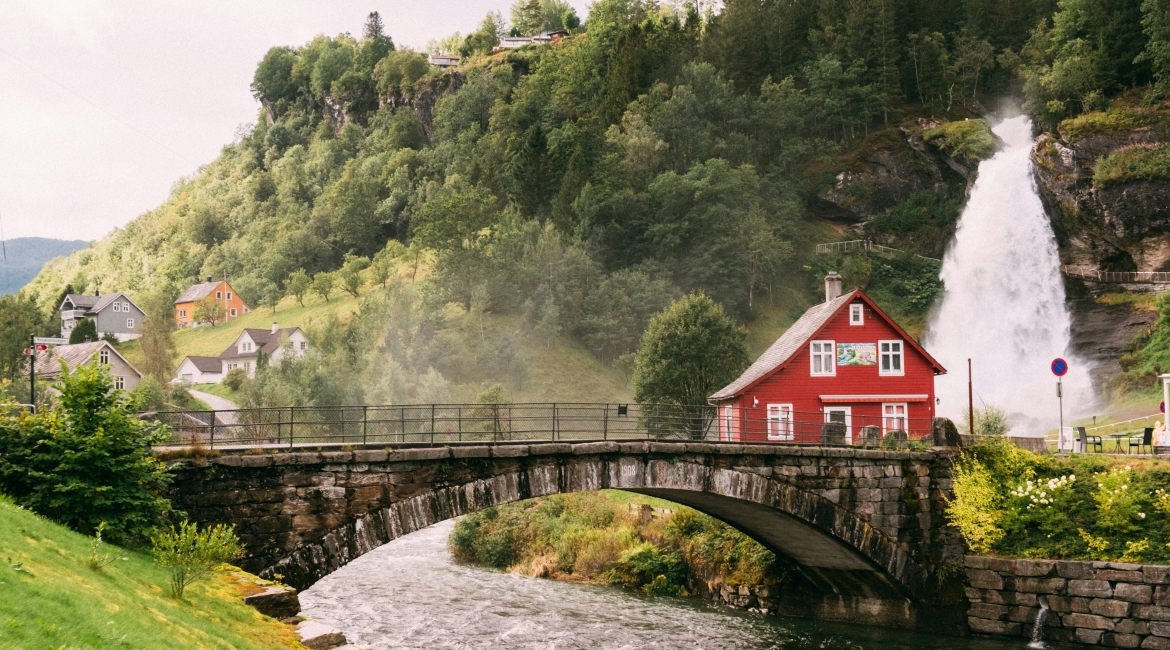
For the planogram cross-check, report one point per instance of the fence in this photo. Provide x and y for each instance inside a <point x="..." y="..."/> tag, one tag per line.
<point x="443" y="424"/>
<point x="1086" y="273"/>
<point x="864" y="245"/>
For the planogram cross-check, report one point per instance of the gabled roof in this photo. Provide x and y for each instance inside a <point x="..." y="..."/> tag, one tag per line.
<point x="94" y="304"/>
<point x="79" y="301"/>
<point x="205" y="364"/>
<point x="197" y="292"/>
<point x="805" y="328"/>
<point x="265" y="340"/>
<point x="49" y="362"/>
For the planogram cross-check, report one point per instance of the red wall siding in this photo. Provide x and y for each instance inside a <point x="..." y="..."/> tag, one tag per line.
<point x="795" y="384"/>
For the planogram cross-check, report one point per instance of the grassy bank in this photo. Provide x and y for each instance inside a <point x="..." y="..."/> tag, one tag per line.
<point x="614" y="537"/>
<point x="50" y="598"/>
<point x="1015" y="503"/>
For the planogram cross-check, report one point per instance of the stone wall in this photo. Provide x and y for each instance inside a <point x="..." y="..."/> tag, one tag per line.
<point x="1092" y="603"/>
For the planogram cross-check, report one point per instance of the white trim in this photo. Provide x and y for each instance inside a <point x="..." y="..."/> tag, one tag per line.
<point x="848" y="420"/>
<point x="900" y="355"/>
<point x="780" y="426"/>
<point x="857" y="313"/>
<point x="886" y="418"/>
<point x="129" y="323"/>
<point x="875" y="398"/>
<point x="820" y="355"/>
<point x="728" y="421"/>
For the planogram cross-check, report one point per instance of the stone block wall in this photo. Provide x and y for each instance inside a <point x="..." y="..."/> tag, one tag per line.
<point x="1110" y="604"/>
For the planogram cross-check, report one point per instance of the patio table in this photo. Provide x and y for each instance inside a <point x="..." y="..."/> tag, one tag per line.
<point x="1117" y="438"/>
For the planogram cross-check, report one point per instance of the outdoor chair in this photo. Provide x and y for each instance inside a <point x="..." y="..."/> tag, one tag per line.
<point x="1087" y="440"/>
<point x="1144" y="440"/>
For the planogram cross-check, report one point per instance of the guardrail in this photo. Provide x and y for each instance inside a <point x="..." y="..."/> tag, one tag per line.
<point x="865" y="245"/>
<point x="445" y="424"/>
<point x="1087" y="273"/>
<point x="1125" y="425"/>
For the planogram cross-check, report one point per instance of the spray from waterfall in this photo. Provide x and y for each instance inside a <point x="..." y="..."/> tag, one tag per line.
<point x="1003" y="304"/>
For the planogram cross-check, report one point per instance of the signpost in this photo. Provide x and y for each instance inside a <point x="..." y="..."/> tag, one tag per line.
<point x="1059" y="368"/>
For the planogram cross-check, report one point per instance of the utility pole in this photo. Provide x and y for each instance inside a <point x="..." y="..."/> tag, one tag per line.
<point x="970" y="401"/>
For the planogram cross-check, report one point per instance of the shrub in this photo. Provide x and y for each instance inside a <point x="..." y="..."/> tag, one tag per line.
<point x="235" y="378"/>
<point x="1130" y="164"/>
<point x="969" y="138"/>
<point x="975" y="507"/>
<point x="87" y="461"/>
<point x="190" y="553"/>
<point x="149" y="395"/>
<point x="1111" y="122"/>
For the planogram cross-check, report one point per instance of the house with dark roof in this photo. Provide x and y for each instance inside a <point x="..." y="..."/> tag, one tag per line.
<point x="213" y="293"/>
<point x="48" y="364"/>
<point x="244" y="353"/>
<point x="844" y="373"/>
<point x="112" y="314"/>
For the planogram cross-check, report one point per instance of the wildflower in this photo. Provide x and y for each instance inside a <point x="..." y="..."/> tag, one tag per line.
<point x="1142" y="515"/>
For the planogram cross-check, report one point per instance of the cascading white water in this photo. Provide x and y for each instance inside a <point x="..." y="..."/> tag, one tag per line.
<point x="1003" y="304"/>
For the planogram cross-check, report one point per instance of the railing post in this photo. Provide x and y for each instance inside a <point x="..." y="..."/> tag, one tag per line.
<point x="211" y="443"/>
<point x="365" y="423"/>
<point x="459" y="416"/>
<point x="605" y="424"/>
<point x="432" y="425"/>
<point x="292" y="416"/>
<point x="554" y="427"/>
<point x="495" y="422"/>
<point x="402" y="424"/>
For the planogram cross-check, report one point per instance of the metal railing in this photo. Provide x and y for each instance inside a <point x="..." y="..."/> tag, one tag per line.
<point x="1087" y="273"/>
<point x="864" y="245"/>
<point x="446" y="424"/>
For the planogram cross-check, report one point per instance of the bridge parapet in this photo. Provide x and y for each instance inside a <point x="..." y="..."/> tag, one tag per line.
<point x="863" y="529"/>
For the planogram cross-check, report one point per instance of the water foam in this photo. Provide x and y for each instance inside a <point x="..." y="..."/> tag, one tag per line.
<point x="1004" y="302"/>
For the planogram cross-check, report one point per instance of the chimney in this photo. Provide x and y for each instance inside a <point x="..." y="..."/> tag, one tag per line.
<point x="275" y="327"/>
<point x="209" y="278"/>
<point x="832" y="286"/>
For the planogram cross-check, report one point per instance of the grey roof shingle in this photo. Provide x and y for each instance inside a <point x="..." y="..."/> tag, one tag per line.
<point x="207" y="364"/>
<point x="197" y="292"/>
<point x="94" y="304"/>
<point x="79" y="301"/>
<point x="787" y="345"/>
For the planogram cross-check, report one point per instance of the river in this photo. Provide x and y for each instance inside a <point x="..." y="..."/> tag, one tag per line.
<point x="410" y="594"/>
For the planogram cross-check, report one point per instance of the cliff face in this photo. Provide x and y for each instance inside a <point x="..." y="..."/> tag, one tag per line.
<point x="1123" y="227"/>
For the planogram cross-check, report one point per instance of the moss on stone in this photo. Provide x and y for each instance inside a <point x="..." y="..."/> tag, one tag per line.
<point x="972" y="138"/>
<point x="1114" y="121"/>
<point x="1133" y="164"/>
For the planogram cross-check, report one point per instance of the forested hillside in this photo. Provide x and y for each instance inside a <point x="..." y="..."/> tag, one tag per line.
<point x="25" y="256"/>
<point x="581" y="186"/>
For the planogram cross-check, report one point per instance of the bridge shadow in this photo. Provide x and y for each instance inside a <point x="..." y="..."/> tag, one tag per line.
<point x="862" y="529"/>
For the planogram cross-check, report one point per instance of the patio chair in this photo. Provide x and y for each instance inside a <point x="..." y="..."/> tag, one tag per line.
<point x="1087" y="440"/>
<point x="1145" y="440"/>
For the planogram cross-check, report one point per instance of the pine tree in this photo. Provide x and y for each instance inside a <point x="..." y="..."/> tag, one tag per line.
<point x="1156" y="25"/>
<point x="374" y="26"/>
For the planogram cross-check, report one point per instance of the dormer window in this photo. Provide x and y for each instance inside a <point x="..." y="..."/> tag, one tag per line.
<point x="104" y="356"/>
<point x="857" y="314"/>
<point x="822" y="364"/>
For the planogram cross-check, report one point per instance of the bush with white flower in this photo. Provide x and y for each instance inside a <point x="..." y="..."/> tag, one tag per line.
<point x="1119" y="505"/>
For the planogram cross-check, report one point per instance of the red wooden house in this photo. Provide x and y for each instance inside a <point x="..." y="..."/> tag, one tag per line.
<point x="844" y="372"/>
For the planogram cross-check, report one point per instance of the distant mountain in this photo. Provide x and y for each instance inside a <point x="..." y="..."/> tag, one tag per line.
<point x="27" y="255"/>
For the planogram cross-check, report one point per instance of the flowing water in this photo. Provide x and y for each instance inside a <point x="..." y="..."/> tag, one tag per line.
<point x="1004" y="304"/>
<point x="409" y="594"/>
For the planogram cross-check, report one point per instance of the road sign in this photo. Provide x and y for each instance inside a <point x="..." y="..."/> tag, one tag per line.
<point x="1162" y="407"/>
<point x="41" y="347"/>
<point x="47" y="340"/>
<point x="1059" y="367"/>
<point x="28" y="352"/>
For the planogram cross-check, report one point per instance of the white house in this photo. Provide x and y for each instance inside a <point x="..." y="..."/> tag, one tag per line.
<point x="245" y="352"/>
<point x="200" y="370"/>
<point x="444" y="61"/>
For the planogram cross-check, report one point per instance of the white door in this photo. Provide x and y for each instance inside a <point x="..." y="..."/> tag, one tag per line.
<point x="844" y="415"/>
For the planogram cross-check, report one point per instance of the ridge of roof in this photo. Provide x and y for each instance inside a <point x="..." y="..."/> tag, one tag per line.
<point x="197" y="291"/>
<point x="48" y="363"/>
<point x="204" y="364"/>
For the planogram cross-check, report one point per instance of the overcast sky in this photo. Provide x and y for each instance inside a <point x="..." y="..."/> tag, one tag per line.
<point x="105" y="104"/>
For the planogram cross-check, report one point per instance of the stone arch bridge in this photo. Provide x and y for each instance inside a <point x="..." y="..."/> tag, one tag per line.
<point x="863" y="529"/>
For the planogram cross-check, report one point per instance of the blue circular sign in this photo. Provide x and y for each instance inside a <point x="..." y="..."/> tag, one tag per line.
<point x="1059" y="367"/>
<point x="1162" y="407"/>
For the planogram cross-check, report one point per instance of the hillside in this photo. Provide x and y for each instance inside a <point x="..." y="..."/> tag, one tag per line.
<point x="49" y="598"/>
<point x="25" y="256"/>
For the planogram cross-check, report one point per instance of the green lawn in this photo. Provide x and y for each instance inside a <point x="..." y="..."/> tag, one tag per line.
<point x="51" y="599"/>
<point x="219" y="390"/>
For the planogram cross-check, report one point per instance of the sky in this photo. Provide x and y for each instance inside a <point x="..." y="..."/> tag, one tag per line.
<point x="105" y="104"/>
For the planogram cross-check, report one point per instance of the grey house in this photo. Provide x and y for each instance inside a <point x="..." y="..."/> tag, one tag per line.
<point x="113" y="314"/>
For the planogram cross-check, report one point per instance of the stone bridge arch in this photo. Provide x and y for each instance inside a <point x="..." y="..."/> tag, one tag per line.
<point x="863" y="528"/>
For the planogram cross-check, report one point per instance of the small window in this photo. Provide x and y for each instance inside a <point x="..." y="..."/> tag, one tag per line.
<point x="893" y="417"/>
<point x="233" y="311"/>
<point x="182" y="313"/>
<point x="126" y="307"/>
<point x="229" y="295"/>
<point x="891" y="358"/>
<point x="780" y="422"/>
<point x="218" y="295"/>
<point x="247" y="366"/>
<point x="822" y="358"/>
<point x="129" y="323"/>
<point x="304" y="345"/>
<point x="104" y="356"/>
<point x="857" y="314"/>
<point x="119" y="383"/>
<point x="117" y="306"/>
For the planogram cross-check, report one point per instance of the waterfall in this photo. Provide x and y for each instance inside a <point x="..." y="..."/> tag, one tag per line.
<point x="1038" y="628"/>
<point x="1003" y="303"/>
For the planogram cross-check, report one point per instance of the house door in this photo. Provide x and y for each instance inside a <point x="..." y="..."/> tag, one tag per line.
<point x="842" y="418"/>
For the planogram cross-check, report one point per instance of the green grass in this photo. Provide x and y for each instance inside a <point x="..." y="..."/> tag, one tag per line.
<point x="1114" y="121"/>
<point x="971" y="138"/>
<point x="50" y="598"/>
<point x="1131" y="164"/>
<point x="219" y="390"/>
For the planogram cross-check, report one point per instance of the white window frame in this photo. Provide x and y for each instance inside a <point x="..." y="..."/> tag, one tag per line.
<point x="900" y="355"/>
<point x="728" y="420"/>
<point x="182" y="313"/>
<point x="103" y="356"/>
<point x="304" y="346"/>
<point x="848" y="420"/>
<point x="120" y="383"/>
<point x="126" y="307"/>
<point x="229" y="295"/>
<point x="233" y="312"/>
<point x="888" y="419"/>
<point x="219" y="295"/>
<point x="857" y="314"/>
<point x="129" y="323"/>
<point x="815" y="354"/>
<point x="117" y="307"/>
<point x="780" y="427"/>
